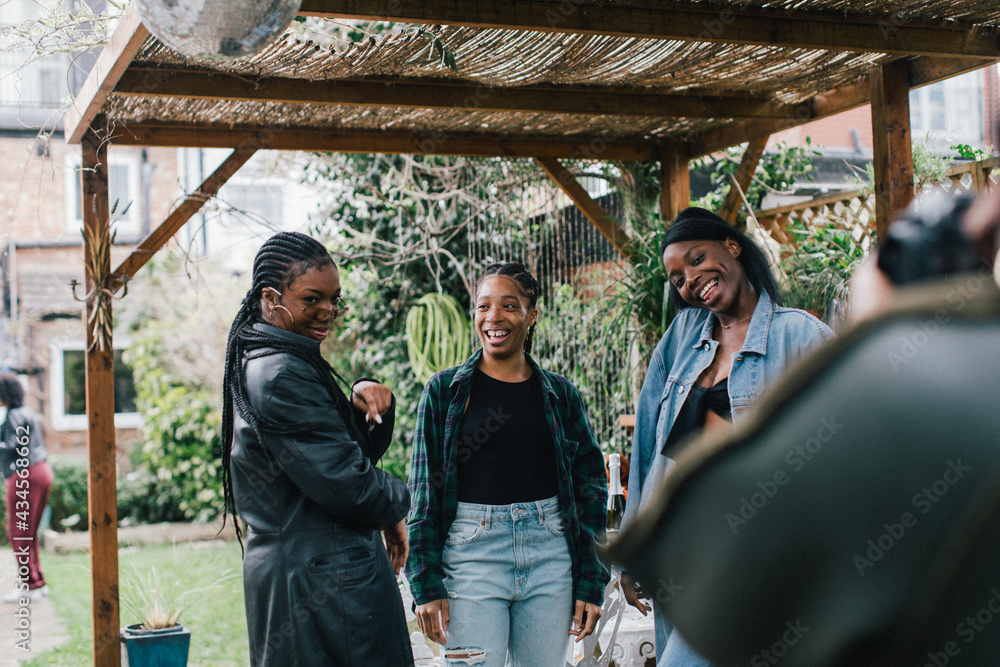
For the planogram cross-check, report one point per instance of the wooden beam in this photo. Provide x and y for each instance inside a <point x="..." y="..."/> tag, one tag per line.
<point x="675" y="181"/>
<point x="923" y="71"/>
<point x="690" y="21"/>
<point x="602" y="147"/>
<point x="111" y="64"/>
<point x="601" y="219"/>
<point x="891" y="142"/>
<point x="446" y="94"/>
<point x="744" y="177"/>
<point x="100" y="394"/>
<point x="157" y="238"/>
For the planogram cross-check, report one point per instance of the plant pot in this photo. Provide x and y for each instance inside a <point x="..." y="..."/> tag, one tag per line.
<point x="162" y="647"/>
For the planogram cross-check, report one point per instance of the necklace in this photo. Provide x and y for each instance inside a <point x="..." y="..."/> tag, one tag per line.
<point x="734" y="323"/>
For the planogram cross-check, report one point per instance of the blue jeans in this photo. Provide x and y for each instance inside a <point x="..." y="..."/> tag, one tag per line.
<point x="671" y="649"/>
<point x="509" y="578"/>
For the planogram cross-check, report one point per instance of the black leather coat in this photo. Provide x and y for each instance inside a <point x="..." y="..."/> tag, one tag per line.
<point x="318" y="582"/>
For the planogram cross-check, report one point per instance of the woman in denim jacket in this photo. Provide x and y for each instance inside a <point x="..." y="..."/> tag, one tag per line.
<point x="729" y="343"/>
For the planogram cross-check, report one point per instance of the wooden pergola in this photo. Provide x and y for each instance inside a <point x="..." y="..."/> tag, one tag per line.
<point x="628" y="80"/>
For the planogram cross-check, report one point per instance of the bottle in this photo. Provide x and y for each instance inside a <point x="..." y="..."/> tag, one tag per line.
<point x="616" y="498"/>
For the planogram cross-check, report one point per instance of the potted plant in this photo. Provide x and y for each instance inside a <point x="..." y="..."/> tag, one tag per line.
<point x="159" y="639"/>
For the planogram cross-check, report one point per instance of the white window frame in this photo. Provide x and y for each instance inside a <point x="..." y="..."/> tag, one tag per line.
<point x="20" y="81"/>
<point x="58" y="418"/>
<point x="971" y="82"/>
<point x="132" y="228"/>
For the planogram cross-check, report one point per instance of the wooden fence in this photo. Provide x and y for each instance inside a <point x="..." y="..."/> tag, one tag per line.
<point x="855" y="211"/>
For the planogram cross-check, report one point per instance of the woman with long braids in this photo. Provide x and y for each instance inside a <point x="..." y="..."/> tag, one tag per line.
<point x="509" y="496"/>
<point x="299" y="468"/>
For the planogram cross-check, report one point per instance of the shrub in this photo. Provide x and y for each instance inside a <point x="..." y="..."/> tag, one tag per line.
<point x="182" y="442"/>
<point x="68" y="496"/>
<point x="140" y="497"/>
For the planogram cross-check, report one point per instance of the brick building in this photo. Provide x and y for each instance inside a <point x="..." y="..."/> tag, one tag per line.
<point x="961" y="110"/>
<point x="41" y="250"/>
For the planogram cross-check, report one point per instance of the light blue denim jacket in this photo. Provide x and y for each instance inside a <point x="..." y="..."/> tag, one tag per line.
<point x="776" y="337"/>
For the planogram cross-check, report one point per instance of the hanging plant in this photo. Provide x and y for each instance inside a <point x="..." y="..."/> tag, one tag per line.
<point x="437" y="332"/>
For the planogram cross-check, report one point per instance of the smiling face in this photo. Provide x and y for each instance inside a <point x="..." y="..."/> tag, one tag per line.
<point x="707" y="274"/>
<point x="503" y="317"/>
<point x="308" y="305"/>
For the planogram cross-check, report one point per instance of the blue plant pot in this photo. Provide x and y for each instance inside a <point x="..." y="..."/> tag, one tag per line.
<point x="164" y="647"/>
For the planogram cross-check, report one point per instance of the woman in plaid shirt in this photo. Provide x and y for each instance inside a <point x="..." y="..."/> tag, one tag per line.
<point x="509" y="496"/>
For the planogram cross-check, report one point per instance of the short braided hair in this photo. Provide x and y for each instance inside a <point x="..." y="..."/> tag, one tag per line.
<point x="283" y="258"/>
<point x="529" y="287"/>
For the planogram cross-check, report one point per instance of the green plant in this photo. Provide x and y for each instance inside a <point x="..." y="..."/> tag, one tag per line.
<point x="437" y="334"/>
<point x="778" y="170"/>
<point x="159" y="602"/>
<point x="68" y="495"/>
<point x="596" y="368"/>
<point x="182" y="441"/>
<point x="178" y="330"/>
<point x="967" y="152"/>
<point x="929" y="168"/>
<point x="819" y="267"/>
<point x="217" y="621"/>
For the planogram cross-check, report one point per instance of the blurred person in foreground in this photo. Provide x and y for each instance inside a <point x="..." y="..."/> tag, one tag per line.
<point x="854" y="520"/>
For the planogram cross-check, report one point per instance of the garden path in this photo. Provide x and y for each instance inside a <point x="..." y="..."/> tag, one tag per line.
<point x="44" y="625"/>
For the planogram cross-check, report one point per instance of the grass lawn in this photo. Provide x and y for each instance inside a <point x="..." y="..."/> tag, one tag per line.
<point x="216" y="618"/>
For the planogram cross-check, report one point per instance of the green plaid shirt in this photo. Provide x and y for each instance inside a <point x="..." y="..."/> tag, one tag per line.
<point x="583" y="492"/>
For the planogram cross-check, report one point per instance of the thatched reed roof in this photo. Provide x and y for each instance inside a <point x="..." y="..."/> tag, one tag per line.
<point x="619" y="79"/>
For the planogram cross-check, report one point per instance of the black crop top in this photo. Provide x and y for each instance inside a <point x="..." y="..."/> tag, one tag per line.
<point x="691" y="417"/>
<point x="505" y="452"/>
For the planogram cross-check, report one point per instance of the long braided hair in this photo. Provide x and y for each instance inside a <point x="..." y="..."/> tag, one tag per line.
<point x="527" y="282"/>
<point x="283" y="258"/>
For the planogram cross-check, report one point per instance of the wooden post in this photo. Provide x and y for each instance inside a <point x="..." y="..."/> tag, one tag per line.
<point x="675" y="182"/>
<point x="101" y="475"/>
<point x="744" y="176"/>
<point x="891" y="143"/>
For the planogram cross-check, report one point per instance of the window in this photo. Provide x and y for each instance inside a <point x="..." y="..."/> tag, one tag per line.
<point x="949" y="111"/>
<point x="40" y="84"/>
<point x="260" y="201"/>
<point x="68" y="393"/>
<point x="124" y="186"/>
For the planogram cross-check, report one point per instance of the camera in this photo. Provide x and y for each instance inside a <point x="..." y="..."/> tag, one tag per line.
<point x="926" y="242"/>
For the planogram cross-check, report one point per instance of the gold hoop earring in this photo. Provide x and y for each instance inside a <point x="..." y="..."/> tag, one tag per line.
<point x="291" y="318"/>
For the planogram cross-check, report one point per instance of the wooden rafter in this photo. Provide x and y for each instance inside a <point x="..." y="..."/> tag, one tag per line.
<point x="110" y="65"/>
<point x="601" y="219"/>
<point x="744" y="176"/>
<point x="447" y="94"/>
<point x="922" y="71"/>
<point x="157" y="238"/>
<point x="694" y="21"/>
<point x="368" y="141"/>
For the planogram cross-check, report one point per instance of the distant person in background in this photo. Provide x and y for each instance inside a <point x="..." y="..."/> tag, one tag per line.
<point x="509" y="496"/>
<point x="29" y="479"/>
<point x="731" y="340"/>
